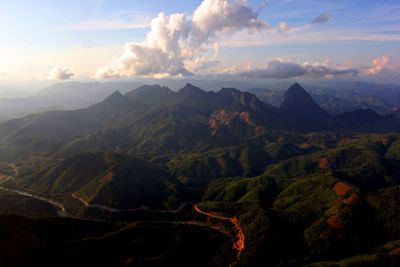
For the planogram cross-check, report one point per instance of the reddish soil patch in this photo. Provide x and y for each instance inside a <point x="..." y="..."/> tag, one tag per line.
<point x="239" y="233"/>
<point x="334" y="221"/>
<point x="395" y="252"/>
<point x="213" y="123"/>
<point x="245" y="116"/>
<point x="341" y="188"/>
<point x="352" y="199"/>
<point x="223" y="116"/>
<point x="323" y="163"/>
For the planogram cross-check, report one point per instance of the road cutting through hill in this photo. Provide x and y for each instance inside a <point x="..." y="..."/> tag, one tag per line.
<point x="109" y="209"/>
<point x="96" y="206"/>
<point x="239" y="238"/>
<point x="61" y="209"/>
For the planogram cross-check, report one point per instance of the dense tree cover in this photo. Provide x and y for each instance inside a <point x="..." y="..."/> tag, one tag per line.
<point x="306" y="187"/>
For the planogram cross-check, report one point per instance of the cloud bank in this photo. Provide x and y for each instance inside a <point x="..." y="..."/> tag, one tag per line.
<point x="57" y="73"/>
<point x="280" y="69"/>
<point x="175" y="43"/>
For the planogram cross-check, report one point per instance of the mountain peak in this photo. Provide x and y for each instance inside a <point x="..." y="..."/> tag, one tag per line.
<point x="189" y="85"/>
<point x="114" y="96"/>
<point x="190" y="88"/>
<point x="296" y="98"/>
<point x="118" y="100"/>
<point x="297" y="93"/>
<point x="299" y="106"/>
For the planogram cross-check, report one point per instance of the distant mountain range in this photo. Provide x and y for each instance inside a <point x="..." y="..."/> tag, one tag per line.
<point x="344" y="98"/>
<point x="61" y="96"/>
<point x="335" y="97"/>
<point x="156" y="120"/>
<point x="306" y="185"/>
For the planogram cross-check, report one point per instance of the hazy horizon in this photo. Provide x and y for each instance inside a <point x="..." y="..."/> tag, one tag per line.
<point x="201" y="133"/>
<point x="43" y="43"/>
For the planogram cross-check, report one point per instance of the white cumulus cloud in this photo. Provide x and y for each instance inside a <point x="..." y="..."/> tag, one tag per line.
<point x="223" y="16"/>
<point x="378" y="65"/>
<point x="57" y="73"/>
<point x="175" y="43"/>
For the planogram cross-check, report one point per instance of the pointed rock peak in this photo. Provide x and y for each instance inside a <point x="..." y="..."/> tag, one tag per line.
<point x="296" y="96"/>
<point x="296" y="90"/>
<point x="190" y="88"/>
<point x="296" y="85"/>
<point x="116" y="98"/>
<point x="189" y="85"/>
<point x="300" y="105"/>
<point x="115" y="95"/>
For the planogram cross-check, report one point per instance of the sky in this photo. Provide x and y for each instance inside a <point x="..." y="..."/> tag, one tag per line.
<point x="44" y="41"/>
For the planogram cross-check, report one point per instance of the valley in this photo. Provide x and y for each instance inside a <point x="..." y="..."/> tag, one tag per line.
<point x="236" y="233"/>
<point x="295" y="181"/>
<point x="58" y="205"/>
<point x="209" y="133"/>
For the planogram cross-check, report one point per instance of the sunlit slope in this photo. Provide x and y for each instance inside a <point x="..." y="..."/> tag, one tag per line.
<point x="108" y="179"/>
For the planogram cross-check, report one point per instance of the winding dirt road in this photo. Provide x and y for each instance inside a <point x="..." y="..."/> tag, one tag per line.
<point x="54" y="203"/>
<point x="97" y="206"/>
<point x="61" y="209"/>
<point x="142" y="208"/>
<point x="239" y="238"/>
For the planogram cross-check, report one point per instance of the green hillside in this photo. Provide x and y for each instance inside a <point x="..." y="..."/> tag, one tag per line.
<point x="109" y="179"/>
<point x="305" y="187"/>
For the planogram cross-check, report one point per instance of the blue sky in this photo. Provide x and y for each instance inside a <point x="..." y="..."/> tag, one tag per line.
<point x="82" y="36"/>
